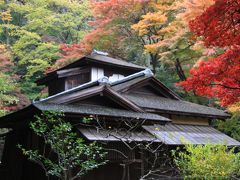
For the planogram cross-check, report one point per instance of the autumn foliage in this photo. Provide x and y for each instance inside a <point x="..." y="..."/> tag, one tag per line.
<point x="219" y="24"/>
<point x="218" y="77"/>
<point x="111" y="26"/>
<point x="172" y="35"/>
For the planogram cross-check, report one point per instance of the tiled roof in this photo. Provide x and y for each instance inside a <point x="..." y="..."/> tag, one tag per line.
<point x="171" y="105"/>
<point x="148" y="101"/>
<point x="99" y="111"/>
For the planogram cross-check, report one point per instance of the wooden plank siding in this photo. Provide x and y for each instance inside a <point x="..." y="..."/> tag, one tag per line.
<point x="189" y="120"/>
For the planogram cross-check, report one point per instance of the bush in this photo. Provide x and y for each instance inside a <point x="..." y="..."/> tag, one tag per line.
<point x="207" y="162"/>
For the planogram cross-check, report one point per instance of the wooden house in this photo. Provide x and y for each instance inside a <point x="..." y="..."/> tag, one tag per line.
<point x="131" y="109"/>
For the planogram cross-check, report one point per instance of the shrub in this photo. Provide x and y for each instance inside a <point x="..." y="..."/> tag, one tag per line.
<point x="207" y="162"/>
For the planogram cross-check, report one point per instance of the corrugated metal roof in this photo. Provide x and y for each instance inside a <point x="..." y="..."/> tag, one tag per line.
<point x="99" y="110"/>
<point x="116" y="135"/>
<point x="166" y="104"/>
<point x="173" y="134"/>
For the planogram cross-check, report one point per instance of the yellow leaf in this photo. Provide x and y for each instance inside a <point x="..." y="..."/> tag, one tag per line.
<point x="6" y="16"/>
<point x="234" y="108"/>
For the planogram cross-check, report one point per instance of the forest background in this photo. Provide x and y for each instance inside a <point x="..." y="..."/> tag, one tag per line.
<point x="192" y="46"/>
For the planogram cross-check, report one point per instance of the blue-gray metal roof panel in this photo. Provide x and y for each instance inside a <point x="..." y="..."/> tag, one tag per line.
<point x="173" y="134"/>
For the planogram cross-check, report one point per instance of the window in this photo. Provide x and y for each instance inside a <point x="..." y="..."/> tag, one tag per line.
<point x="71" y="83"/>
<point x="96" y="73"/>
<point x="76" y="80"/>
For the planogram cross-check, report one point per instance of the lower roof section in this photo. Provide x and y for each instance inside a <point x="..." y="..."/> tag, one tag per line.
<point x="95" y="134"/>
<point x="173" y="134"/>
<point x="100" y="111"/>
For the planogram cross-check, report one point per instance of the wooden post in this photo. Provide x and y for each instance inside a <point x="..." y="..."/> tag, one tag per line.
<point x="142" y="162"/>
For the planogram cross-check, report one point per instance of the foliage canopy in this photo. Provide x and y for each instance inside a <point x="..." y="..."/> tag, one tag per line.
<point x="218" y="76"/>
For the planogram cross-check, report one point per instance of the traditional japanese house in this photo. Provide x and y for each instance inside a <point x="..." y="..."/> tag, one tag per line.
<point x="131" y="110"/>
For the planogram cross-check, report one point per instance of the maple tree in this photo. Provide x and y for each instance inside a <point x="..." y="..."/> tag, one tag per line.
<point x="111" y="31"/>
<point x="148" y="28"/>
<point x="167" y="36"/>
<point x="116" y="31"/>
<point x="145" y="32"/>
<point x="220" y="76"/>
<point x="219" y="24"/>
<point x="125" y="28"/>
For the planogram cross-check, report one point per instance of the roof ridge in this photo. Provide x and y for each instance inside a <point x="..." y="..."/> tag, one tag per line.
<point x="147" y="72"/>
<point x="91" y="56"/>
<point x="126" y="62"/>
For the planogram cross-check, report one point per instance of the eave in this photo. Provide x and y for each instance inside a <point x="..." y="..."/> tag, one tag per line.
<point x="163" y="111"/>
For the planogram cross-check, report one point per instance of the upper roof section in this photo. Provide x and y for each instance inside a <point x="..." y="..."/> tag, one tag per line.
<point x="108" y="61"/>
<point x="139" y="92"/>
<point x="119" y="86"/>
<point x="96" y="59"/>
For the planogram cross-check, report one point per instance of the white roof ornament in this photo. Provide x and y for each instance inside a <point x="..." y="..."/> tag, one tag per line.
<point x="148" y="72"/>
<point x="95" y="52"/>
<point x="104" y="80"/>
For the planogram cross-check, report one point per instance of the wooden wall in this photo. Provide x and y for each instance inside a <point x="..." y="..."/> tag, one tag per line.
<point x="189" y="120"/>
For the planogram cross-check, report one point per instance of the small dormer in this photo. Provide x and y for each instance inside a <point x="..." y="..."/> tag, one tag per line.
<point x="87" y="69"/>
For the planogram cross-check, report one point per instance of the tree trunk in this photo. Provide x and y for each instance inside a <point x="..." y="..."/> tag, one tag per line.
<point x="65" y="174"/>
<point x="154" y="61"/>
<point x="179" y="70"/>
